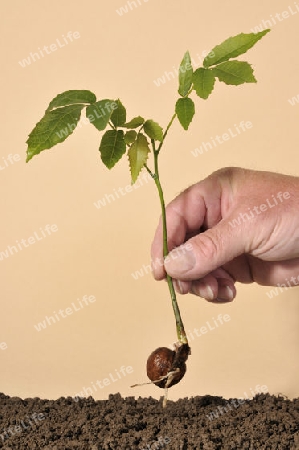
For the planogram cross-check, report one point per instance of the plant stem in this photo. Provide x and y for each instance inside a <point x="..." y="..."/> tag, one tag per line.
<point x="179" y="323"/>
<point x="166" y="131"/>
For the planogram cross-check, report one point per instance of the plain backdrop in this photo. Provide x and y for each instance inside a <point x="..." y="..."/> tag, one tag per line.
<point x="95" y="251"/>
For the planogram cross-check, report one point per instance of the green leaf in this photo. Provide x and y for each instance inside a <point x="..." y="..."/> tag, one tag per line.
<point x="138" y="154"/>
<point x="232" y="47"/>
<point x="185" y="110"/>
<point x="53" y="128"/>
<point x="185" y="75"/>
<point x="71" y="98"/>
<point x="203" y="82"/>
<point x="153" y="130"/>
<point x="119" y="115"/>
<point x="112" y="147"/>
<point x="135" y="123"/>
<point x="130" y="137"/>
<point x="99" y="113"/>
<point x="234" y="72"/>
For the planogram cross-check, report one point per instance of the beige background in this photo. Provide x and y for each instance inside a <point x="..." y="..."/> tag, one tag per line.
<point x="95" y="251"/>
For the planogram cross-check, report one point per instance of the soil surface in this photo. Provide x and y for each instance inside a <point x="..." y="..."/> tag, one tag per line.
<point x="209" y="423"/>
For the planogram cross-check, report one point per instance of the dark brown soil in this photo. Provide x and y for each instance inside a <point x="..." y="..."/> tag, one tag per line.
<point x="209" y="423"/>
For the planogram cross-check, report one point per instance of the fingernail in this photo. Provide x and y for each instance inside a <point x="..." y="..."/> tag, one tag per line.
<point x="179" y="262"/>
<point x="182" y="287"/>
<point x="205" y="291"/>
<point x="178" y="286"/>
<point x="230" y="294"/>
<point x="225" y="294"/>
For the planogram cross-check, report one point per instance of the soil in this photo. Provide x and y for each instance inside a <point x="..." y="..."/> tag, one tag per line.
<point x="210" y="423"/>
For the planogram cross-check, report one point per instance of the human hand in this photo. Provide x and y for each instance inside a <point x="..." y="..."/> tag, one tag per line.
<point x="235" y="225"/>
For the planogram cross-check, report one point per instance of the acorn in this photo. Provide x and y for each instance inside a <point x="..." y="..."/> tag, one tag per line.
<point x="166" y="367"/>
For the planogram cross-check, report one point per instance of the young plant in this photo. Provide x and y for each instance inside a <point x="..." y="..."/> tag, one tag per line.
<point x="139" y="138"/>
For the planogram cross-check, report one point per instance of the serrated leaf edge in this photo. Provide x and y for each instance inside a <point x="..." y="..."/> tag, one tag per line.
<point x="231" y="84"/>
<point x="134" y="143"/>
<point x="227" y="58"/>
<point x="205" y="98"/>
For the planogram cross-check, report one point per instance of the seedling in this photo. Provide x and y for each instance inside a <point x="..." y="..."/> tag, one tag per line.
<point x="139" y="138"/>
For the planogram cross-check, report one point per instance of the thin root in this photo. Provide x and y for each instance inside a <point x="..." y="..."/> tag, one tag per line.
<point x="169" y="376"/>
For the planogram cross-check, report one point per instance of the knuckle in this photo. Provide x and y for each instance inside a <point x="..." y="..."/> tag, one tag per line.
<point x="207" y="245"/>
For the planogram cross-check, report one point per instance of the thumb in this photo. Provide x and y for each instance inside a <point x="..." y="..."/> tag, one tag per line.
<point x="206" y="252"/>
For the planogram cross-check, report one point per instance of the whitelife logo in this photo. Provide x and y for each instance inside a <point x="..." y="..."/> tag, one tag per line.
<point x="217" y="140"/>
<point x="118" y="375"/>
<point x="148" y="268"/>
<point x="27" y="422"/>
<point x="109" y="106"/>
<point x="48" y="49"/>
<point x="209" y="325"/>
<point x="257" y="210"/>
<point x="9" y="160"/>
<point x="25" y="243"/>
<point x="173" y="74"/>
<point x="129" y="6"/>
<point x="236" y="402"/>
<point x="3" y="346"/>
<point x="63" y="313"/>
<point x="276" y="18"/>
<point x="144" y="178"/>
<point x="290" y="283"/>
<point x="294" y="100"/>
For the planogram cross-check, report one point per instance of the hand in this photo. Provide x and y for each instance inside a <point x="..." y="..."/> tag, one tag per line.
<point x="236" y="225"/>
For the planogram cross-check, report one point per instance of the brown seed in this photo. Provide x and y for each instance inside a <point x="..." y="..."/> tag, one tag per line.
<point x="169" y="364"/>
